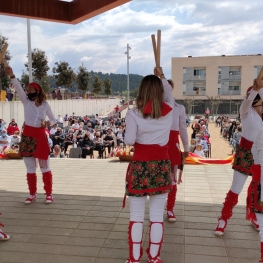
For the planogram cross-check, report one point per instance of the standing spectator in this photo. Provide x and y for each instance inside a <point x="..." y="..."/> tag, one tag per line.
<point x="5" y="140"/>
<point x="59" y="95"/>
<point x="54" y="94"/>
<point x="12" y="128"/>
<point x="148" y="128"/>
<point x="9" y="93"/>
<point x="207" y="112"/>
<point x="2" y="125"/>
<point x="120" y="136"/>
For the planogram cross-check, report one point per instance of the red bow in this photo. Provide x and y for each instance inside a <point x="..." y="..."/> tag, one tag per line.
<point x="148" y="108"/>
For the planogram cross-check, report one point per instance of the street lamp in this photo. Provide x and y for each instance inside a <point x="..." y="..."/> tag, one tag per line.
<point x="230" y="93"/>
<point x="128" y="80"/>
<point x="29" y="51"/>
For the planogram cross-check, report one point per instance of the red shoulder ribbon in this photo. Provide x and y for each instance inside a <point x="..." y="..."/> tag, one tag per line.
<point x="165" y="108"/>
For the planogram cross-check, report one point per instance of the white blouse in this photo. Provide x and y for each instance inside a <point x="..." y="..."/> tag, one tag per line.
<point x="33" y="115"/>
<point x="251" y="121"/>
<point x="150" y="131"/>
<point x="179" y="124"/>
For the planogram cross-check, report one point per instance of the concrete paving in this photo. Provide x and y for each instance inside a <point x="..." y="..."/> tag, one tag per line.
<point x="86" y="222"/>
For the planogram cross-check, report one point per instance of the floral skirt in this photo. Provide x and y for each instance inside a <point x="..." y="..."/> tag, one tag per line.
<point x="243" y="160"/>
<point x="148" y="178"/>
<point x="27" y="146"/>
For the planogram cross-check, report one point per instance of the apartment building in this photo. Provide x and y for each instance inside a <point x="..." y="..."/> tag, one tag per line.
<point x="227" y="77"/>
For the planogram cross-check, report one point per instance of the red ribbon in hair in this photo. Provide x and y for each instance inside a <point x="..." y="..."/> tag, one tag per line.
<point x="148" y="108"/>
<point x="35" y="86"/>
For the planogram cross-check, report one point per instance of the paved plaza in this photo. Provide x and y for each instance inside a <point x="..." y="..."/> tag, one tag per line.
<point x="86" y="222"/>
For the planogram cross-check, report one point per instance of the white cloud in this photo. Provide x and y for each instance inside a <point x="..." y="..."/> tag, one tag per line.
<point x="197" y="28"/>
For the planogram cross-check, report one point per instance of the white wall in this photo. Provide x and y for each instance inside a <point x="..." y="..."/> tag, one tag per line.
<point x="14" y="109"/>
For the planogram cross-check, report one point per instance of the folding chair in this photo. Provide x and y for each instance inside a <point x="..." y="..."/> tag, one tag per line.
<point x="74" y="153"/>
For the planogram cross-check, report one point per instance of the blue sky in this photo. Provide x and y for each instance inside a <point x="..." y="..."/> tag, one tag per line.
<point x="196" y="28"/>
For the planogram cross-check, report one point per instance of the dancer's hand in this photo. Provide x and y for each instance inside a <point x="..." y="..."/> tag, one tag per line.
<point x="158" y="71"/>
<point x="185" y="154"/>
<point x="9" y="71"/>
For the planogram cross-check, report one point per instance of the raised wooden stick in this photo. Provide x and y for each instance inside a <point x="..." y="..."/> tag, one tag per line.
<point x="158" y="48"/>
<point x="154" y="48"/>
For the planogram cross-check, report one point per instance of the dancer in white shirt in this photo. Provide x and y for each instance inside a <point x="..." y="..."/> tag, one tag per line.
<point x="34" y="142"/>
<point x="251" y="118"/>
<point x="147" y="128"/>
<point x="178" y="128"/>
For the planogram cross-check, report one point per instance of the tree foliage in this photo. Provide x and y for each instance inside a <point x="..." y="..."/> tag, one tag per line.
<point x="107" y="86"/>
<point x="64" y="74"/>
<point x="96" y="85"/>
<point x="134" y="93"/>
<point x="45" y="83"/>
<point x="24" y="78"/>
<point x="39" y="64"/>
<point x="82" y="79"/>
<point x="4" y="80"/>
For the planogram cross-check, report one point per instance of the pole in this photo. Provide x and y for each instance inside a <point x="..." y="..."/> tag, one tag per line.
<point x="29" y="51"/>
<point x="128" y="77"/>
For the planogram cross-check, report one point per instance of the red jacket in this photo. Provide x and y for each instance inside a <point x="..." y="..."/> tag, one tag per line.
<point x="11" y="129"/>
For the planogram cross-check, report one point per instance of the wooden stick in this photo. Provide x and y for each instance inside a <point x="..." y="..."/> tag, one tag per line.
<point x="158" y="48"/>
<point x="260" y="75"/>
<point x="2" y="53"/>
<point x="154" y="48"/>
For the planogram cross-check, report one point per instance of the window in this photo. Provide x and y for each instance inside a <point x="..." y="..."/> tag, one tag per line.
<point x="234" y="88"/>
<point x="199" y="72"/>
<point x="234" y="72"/>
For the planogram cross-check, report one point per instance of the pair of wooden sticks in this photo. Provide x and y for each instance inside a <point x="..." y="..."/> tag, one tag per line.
<point x="157" y="48"/>
<point x="2" y="55"/>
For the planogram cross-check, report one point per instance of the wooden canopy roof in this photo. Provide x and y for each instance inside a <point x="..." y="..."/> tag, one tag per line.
<point x="67" y="11"/>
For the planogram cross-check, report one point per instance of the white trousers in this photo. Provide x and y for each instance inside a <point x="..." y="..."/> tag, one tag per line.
<point x="31" y="165"/>
<point x="238" y="182"/>
<point x="137" y="210"/>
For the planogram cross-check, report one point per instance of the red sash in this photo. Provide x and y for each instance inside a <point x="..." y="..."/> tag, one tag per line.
<point x="42" y="148"/>
<point x="173" y="150"/>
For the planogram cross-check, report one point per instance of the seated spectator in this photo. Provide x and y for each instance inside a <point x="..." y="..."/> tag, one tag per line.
<point x="109" y="140"/>
<point x="205" y="131"/>
<point x="199" y="151"/>
<point x="187" y="120"/>
<point x="75" y="125"/>
<point x="118" y="122"/>
<point x="68" y="140"/>
<point x="79" y="134"/>
<point x="201" y="142"/>
<point x="2" y="125"/>
<point x="192" y="145"/>
<point x="87" y="146"/>
<point x="120" y="136"/>
<point x="59" y="119"/>
<point x="204" y="137"/>
<point x="50" y="142"/>
<point x="5" y="140"/>
<point x="58" y="138"/>
<point x="53" y="130"/>
<point x="12" y="128"/>
<point x="13" y="122"/>
<point x="98" y="144"/>
<point x="57" y="152"/>
<point x="15" y="139"/>
<point x="196" y="128"/>
<point x="98" y="126"/>
<point x="91" y="131"/>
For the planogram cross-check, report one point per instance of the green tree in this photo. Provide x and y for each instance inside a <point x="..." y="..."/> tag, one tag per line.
<point x="24" y="78"/>
<point x="96" y="85"/>
<point x="134" y="93"/>
<point x="107" y="86"/>
<point x="45" y="83"/>
<point x="39" y="64"/>
<point x="64" y="74"/>
<point x="4" y="80"/>
<point x="82" y="79"/>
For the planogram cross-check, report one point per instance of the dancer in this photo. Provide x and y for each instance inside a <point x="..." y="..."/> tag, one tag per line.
<point x="255" y="199"/>
<point x="34" y="142"/>
<point x="178" y="127"/>
<point x="148" y="127"/>
<point x="250" y="113"/>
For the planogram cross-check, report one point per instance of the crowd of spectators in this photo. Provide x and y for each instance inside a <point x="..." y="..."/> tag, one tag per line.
<point x="230" y="130"/>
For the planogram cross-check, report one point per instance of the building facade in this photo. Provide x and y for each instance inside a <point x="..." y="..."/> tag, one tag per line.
<point x="219" y="78"/>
